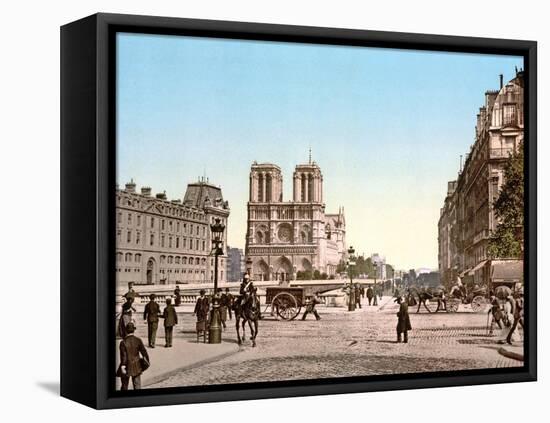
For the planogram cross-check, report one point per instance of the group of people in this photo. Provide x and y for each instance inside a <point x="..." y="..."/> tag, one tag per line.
<point x="371" y="293"/>
<point x="509" y="314"/>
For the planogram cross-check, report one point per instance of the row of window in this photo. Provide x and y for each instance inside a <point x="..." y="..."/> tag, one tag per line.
<point x="170" y="225"/>
<point x="136" y="258"/>
<point x="165" y="242"/>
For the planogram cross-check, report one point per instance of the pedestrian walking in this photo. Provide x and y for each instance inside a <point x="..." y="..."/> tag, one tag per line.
<point x="403" y="320"/>
<point x="370" y="294"/>
<point x="357" y="296"/>
<point x="134" y="359"/>
<point x="310" y="307"/>
<point x="170" y="320"/>
<point x="151" y="316"/>
<point x="227" y="297"/>
<point x="496" y="313"/>
<point x="125" y="315"/>
<point x="224" y="307"/>
<point x="518" y="317"/>
<point x="177" y="294"/>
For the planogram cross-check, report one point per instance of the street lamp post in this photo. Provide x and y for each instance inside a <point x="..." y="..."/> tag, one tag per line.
<point x="351" y="264"/>
<point x="215" y="330"/>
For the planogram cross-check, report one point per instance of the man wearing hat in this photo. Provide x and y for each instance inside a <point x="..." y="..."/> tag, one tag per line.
<point x="134" y="359"/>
<point x="518" y="316"/>
<point x="170" y="320"/>
<point x="151" y="316"/>
<point x="496" y="313"/>
<point x="403" y="320"/>
<point x="201" y="307"/>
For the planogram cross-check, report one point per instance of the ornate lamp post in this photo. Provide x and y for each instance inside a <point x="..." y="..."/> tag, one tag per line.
<point x="351" y="264"/>
<point x="215" y="330"/>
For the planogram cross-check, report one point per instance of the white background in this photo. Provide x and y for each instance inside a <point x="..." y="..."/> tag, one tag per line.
<point x="29" y="281"/>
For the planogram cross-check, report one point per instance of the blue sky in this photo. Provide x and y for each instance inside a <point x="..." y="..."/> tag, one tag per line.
<point x="387" y="127"/>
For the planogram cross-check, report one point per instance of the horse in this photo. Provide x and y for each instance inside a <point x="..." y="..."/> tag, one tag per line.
<point x="428" y="294"/>
<point x="247" y="312"/>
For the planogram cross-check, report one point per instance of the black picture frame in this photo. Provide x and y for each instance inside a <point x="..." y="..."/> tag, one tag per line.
<point x="87" y="208"/>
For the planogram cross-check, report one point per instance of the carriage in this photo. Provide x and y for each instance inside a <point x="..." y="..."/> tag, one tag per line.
<point x="477" y="299"/>
<point x="284" y="302"/>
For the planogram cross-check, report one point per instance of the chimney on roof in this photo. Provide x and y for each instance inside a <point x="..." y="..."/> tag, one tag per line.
<point x="131" y="186"/>
<point x="161" y="195"/>
<point x="501" y="76"/>
<point x="146" y="191"/>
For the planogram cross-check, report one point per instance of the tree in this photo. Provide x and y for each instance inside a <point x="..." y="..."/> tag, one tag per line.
<point x="507" y="239"/>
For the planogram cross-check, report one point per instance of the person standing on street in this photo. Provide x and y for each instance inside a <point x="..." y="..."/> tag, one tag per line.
<point x="310" y="307"/>
<point x="403" y="320"/>
<point x="151" y="316"/>
<point x="518" y="317"/>
<point x="125" y="315"/>
<point x="134" y="359"/>
<point x="496" y="313"/>
<point x="201" y="307"/>
<point x="370" y="294"/>
<point x="229" y="301"/>
<point x="170" y="320"/>
<point x="177" y="294"/>
<point x="357" y="296"/>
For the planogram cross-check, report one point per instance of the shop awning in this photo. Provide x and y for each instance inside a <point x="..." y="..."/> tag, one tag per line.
<point x="507" y="271"/>
<point x="478" y="266"/>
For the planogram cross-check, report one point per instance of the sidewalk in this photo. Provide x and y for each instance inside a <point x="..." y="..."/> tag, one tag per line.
<point x="185" y="354"/>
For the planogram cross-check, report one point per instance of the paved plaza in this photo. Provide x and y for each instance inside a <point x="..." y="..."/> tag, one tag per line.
<point x="340" y="344"/>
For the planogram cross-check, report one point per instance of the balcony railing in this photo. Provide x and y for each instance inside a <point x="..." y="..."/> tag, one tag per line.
<point x="498" y="153"/>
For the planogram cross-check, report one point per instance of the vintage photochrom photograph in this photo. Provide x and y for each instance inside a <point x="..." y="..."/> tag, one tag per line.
<point x="295" y="211"/>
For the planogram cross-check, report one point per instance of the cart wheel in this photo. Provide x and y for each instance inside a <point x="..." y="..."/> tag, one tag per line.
<point x="452" y="305"/>
<point x="286" y="306"/>
<point x="478" y="304"/>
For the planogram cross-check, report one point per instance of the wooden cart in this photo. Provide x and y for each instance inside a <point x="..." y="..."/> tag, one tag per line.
<point x="284" y="302"/>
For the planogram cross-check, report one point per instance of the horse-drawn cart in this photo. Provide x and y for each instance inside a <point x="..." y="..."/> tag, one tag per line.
<point x="284" y="302"/>
<point x="477" y="299"/>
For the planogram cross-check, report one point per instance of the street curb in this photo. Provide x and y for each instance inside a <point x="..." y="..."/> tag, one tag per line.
<point x="510" y="354"/>
<point x="172" y="372"/>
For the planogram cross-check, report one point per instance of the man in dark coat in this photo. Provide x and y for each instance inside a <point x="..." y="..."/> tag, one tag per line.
<point x="170" y="320"/>
<point x="496" y="313"/>
<point x="201" y="307"/>
<point x="518" y="317"/>
<point x="177" y="294"/>
<point x="403" y="320"/>
<point x="227" y="301"/>
<point x="357" y="296"/>
<point x="310" y="307"/>
<point x="133" y="359"/>
<point x="151" y="316"/>
<point x="370" y="294"/>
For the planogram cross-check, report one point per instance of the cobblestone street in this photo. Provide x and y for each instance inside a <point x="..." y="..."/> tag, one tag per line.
<point x="353" y="344"/>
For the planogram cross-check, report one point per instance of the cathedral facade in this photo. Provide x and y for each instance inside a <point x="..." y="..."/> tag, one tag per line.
<point x="284" y="238"/>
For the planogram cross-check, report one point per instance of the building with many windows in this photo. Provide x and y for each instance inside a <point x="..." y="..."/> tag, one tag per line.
<point x="161" y="241"/>
<point x="467" y="218"/>
<point x="235" y="264"/>
<point x="284" y="238"/>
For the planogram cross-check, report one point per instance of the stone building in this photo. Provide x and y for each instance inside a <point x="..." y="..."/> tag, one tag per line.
<point x="467" y="217"/>
<point x="284" y="238"/>
<point x="168" y="242"/>
<point x="235" y="264"/>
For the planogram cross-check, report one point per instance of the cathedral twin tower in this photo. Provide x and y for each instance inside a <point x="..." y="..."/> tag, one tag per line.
<point x="284" y="238"/>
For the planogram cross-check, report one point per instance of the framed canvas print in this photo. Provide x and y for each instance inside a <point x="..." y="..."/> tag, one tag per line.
<point x="257" y="211"/>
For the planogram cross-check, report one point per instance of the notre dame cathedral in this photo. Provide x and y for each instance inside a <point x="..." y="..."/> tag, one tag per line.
<point x="284" y="238"/>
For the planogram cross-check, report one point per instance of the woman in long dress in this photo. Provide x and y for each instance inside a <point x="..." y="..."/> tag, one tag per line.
<point x="125" y="316"/>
